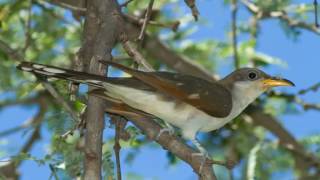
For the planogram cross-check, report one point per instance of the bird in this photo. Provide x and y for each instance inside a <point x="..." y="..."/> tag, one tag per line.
<point x="187" y="102"/>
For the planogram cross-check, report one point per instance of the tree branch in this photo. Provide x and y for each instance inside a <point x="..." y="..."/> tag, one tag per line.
<point x="119" y="128"/>
<point x="135" y="54"/>
<point x="74" y="5"/>
<point x="125" y="4"/>
<point x="303" y="160"/>
<point x="101" y="32"/>
<point x="234" y="9"/>
<point x="60" y="100"/>
<point x="13" y="54"/>
<point x="161" y="52"/>
<point x="282" y="15"/>
<point x="172" y="143"/>
<point x="174" y="25"/>
<point x="192" y="5"/>
<point x="9" y="170"/>
<point x="146" y="20"/>
<point x="315" y="4"/>
<point x="313" y="88"/>
<point x="17" y="56"/>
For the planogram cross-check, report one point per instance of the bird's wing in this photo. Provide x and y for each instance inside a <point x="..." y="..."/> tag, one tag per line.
<point x="211" y="98"/>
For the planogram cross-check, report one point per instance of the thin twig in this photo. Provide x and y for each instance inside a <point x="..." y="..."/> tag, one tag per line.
<point x="134" y="53"/>
<point x="25" y="101"/>
<point x="125" y="4"/>
<point x="31" y="122"/>
<point x="282" y="15"/>
<point x="192" y="5"/>
<point x="314" y="88"/>
<point x="28" y="28"/>
<point x="53" y="172"/>
<point x="15" y="129"/>
<point x="65" y="5"/>
<point x="36" y="132"/>
<point x="234" y="9"/>
<point x="315" y="4"/>
<point x="229" y="164"/>
<point x="51" y="12"/>
<point x="60" y="100"/>
<point x="295" y="99"/>
<point x="121" y="58"/>
<point x="117" y="149"/>
<point x="13" y="54"/>
<point x="174" y="25"/>
<point x="80" y="125"/>
<point x="9" y="169"/>
<point x="77" y="65"/>
<point x="146" y="19"/>
<point x="119" y="127"/>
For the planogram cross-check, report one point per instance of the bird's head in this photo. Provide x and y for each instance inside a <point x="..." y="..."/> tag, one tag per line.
<point x="252" y="81"/>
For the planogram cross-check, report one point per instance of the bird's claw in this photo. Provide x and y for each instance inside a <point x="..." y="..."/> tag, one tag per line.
<point x="168" y="129"/>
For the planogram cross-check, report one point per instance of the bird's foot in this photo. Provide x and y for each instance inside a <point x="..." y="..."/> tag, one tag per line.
<point x="204" y="156"/>
<point x="168" y="129"/>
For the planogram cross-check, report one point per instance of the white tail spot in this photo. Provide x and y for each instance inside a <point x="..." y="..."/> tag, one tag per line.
<point x="26" y="68"/>
<point x="54" y="70"/>
<point x="92" y="81"/>
<point x="43" y="72"/>
<point x="194" y="96"/>
<point x="38" y="66"/>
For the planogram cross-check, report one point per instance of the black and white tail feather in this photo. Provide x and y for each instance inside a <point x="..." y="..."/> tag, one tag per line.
<point x="61" y="73"/>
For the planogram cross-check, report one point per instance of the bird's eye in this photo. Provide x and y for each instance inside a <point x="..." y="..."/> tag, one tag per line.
<point x="252" y="75"/>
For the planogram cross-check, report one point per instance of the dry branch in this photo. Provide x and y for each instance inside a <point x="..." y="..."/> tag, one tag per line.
<point x="135" y="54"/>
<point x="234" y="9"/>
<point x="192" y="5"/>
<point x="125" y="4"/>
<point x="282" y="15"/>
<point x="146" y="20"/>
<point x="60" y="100"/>
<point x="174" y="25"/>
<point x="315" y="4"/>
<point x="9" y="170"/>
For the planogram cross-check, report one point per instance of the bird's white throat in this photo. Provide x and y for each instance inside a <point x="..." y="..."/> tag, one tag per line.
<point x="244" y="93"/>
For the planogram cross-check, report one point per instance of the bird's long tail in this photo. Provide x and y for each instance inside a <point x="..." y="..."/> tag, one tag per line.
<point x="61" y="73"/>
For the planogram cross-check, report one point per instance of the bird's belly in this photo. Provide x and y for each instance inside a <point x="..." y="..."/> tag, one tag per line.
<point x="150" y="103"/>
<point x="205" y="123"/>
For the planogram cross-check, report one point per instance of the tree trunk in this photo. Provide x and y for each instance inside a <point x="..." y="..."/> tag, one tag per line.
<point x="101" y="31"/>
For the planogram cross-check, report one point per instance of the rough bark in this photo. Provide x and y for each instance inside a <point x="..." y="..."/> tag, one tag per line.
<point x="101" y="30"/>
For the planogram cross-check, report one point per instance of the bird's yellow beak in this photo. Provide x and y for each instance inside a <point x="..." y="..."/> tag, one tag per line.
<point x="275" y="81"/>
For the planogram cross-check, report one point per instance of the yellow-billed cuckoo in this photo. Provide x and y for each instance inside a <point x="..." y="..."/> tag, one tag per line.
<point x="187" y="102"/>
